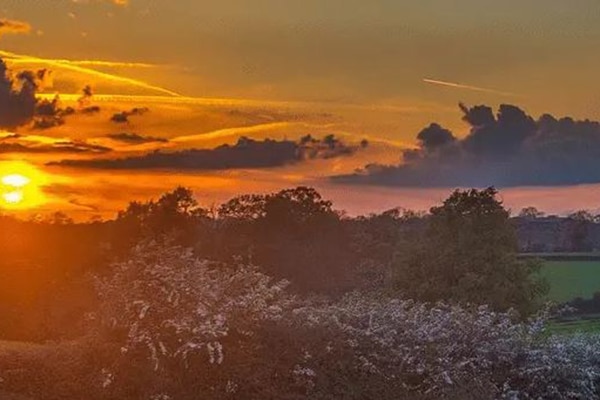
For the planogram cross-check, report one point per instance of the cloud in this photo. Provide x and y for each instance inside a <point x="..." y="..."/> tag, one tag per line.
<point x="20" y="105"/>
<point x="49" y="113"/>
<point x="20" y="145"/>
<point x="12" y="27"/>
<point x="246" y="153"/>
<point x="22" y="59"/>
<point x="17" y="98"/>
<point x="115" y="2"/>
<point x="123" y="116"/>
<point x="18" y="102"/>
<point x="434" y="137"/>
<point x="505" y="149"/>
<point x="134" y="138"/>
<point x="86" y="95"/>
<point x="85" y="106"/>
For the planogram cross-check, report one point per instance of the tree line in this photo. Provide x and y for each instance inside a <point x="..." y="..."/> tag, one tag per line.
<point x="464" y="250"/>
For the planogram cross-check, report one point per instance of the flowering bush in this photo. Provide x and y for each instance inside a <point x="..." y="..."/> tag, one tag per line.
<point x="445" y="351"/>
<point x="197" y="328"/>
<point x="171" y="307"/>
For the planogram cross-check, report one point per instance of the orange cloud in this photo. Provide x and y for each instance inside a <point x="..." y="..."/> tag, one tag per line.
<point x="8" y="26"/>
<point x="116" y="2"/>
<point x="88" y="63"/>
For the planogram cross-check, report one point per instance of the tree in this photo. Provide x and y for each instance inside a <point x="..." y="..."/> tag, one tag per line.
<point x="293" y="234"/>
<point x="468" y="254"/>
<point x="176" y="214"/>
<point x="579" y="224"/>
<point x="531" y="213"/>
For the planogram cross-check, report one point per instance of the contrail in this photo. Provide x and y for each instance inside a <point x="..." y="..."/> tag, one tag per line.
<point x="207" y="101"/>
<point x="89" y="71"/>
<point x="468" y="87"/>
<point x="89" y="63"/>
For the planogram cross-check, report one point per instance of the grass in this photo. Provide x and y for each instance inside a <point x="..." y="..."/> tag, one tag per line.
<point x="571" y="279"/>
<point x="591" y="325"/>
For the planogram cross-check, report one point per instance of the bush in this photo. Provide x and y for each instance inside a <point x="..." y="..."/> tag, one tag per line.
<point x="193" y="329"/>
<point x="386" y="347"/>
<point x="174" y="312"/>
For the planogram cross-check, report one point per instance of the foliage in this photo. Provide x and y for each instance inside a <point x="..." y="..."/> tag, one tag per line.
<point x="393" y="346"/>
<point x="176" y="213"/>
<point x="176" y="327"/>
<point x="293" y="234"/>
<point x="468" y="254"/>
<point x="172" y="310"/>
<point x="193" y="328"/>
<point x="531" y="213"/>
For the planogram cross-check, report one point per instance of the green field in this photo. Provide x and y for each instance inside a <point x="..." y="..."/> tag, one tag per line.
<point x="584" y="325"/>
<point x="568" y="279"/>
<point x="571" y="279"/>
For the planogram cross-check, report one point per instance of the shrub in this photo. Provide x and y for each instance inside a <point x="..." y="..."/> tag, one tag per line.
<point x="378" y="347"/>
<point x="194" y="329"/>
<point x="174" y="312"/>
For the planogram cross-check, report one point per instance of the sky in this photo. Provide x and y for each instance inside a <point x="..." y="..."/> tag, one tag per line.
<point x="183" y="77"/>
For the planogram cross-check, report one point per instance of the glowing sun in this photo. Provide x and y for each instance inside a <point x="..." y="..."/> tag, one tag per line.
<point x="16" y="182"/>
<point x="20" y="186"/>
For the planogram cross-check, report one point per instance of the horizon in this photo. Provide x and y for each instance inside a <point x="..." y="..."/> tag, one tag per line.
<point x="391" y="75"/>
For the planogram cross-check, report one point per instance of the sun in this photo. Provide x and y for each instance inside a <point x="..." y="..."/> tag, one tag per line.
<point x="20" y="186"/>
<point x="16" y="180"/>
<point x="13" y="198"/>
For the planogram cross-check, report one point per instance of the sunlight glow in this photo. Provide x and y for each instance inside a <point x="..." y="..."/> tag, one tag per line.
<point x="13" y="197"/>
<point x="21" y="186"/>
<point x="15" y="180"/>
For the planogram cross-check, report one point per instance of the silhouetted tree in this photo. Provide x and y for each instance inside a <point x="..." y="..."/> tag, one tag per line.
<point x="176" y="214"/>
<point x="293" y="234"/>
<point x="530" y="213"/>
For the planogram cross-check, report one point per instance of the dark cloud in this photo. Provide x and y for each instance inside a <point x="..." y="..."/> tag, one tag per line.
<point x="90" y="110"/>
<point x="123" y="116"/>
<point x="434" y="137"/>
<point x="19" y="105"/>
<point x="328" y="147"/>
<point x="246" y="153"/>
<point x="505" y="149"/>
<point x="134" y="138"/>
<point x="17" y="98"/>
<point x="85" y="101"/>
<point x="49" y="113"/>
<point x="80" y="146"/>
<point x="58" y="147"/>
<point x="86" y="95"/>
<point x="8" y="26"/>
<point x="40" y="79"/>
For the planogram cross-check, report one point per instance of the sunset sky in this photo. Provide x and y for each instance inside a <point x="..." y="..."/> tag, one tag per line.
<point x="169" y="81"/>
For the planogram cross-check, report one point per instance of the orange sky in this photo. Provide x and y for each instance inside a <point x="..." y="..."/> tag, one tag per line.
<point x="211" y="72"/>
